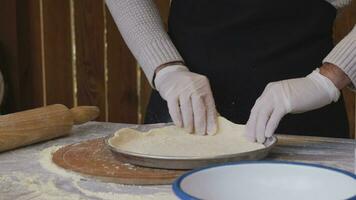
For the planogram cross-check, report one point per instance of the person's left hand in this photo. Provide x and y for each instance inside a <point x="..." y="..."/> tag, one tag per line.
<point x="288" y="96"/>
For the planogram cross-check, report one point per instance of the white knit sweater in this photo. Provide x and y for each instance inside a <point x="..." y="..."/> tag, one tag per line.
<point x="142" y="29"/>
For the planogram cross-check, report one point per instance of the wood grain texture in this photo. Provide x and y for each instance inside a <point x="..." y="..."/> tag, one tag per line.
<point x="83" y="114"/>
<point x="145" y="87"/>
<point x="343" y="25"/>
<point x="145" y="94"/>
<point x="89" y="37"/>
<point x="9" y="53"/>
<point x="349" y="98"/>
<point x="163" y="7"/>
<point x="58" y="52"/>
<point x="122" y="77"/>
<point x="41" y="124"/>
<point x="30" y="51"/>
<point x="94" y="159"/>
<point x="332" y="152"/>
<point x="20" y="54"/>
<point x="345" y="21"/>
<point x="32" y="126"/>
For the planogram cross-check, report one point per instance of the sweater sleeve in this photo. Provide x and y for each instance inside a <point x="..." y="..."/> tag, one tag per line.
<point x="344" y="55"/>
<point x="142" y="29"/>
<point x="339" y="3"/>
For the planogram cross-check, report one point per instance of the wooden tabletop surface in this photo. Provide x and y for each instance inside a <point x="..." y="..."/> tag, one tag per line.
<point x="332" y="152"/>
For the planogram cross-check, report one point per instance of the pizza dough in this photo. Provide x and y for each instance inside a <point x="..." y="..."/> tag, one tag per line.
<point x="174" y="141"/>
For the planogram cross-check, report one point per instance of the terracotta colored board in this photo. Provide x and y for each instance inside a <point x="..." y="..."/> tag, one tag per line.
<point x="343" y="24"/>
<point x="94" y="159"/>
<point x="58" y="52"/>
<point x="89" y="37"/>
<point x="122" y="75"/>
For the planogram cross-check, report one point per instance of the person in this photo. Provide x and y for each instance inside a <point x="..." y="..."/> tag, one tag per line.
<point x="218" y="56"/>
<point x="316" y="90"/>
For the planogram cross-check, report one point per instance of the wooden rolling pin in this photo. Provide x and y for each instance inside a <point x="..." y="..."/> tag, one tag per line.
<point x="41" y="124"/>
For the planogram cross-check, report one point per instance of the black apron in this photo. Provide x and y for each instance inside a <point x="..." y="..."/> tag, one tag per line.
<point x="242" y="45"/>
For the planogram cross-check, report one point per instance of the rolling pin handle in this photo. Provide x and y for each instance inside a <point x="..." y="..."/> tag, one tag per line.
<point x="82" y="114"/>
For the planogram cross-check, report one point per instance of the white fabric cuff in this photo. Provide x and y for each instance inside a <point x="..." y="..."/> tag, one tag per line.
<point x="167" y="70"/>
<point x="156" y="54"/>
<point x="344" y="55"/>
<point x="326" y="84"/>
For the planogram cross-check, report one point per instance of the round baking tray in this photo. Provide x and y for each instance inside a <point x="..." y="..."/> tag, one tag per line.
<point x="182" y="162"/>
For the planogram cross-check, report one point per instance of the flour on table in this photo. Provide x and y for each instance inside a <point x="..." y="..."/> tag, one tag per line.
<point x="174" y="141"/>
<point x="53" y="186"/>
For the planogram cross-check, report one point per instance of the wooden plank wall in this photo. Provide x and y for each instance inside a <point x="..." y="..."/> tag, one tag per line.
<point x="21" y="54"/>
<point x="57" y="52"/>
<point x="8" y="44"/>
<point x="123" y="94"/>
<point x="70" y="52"/>
<point x="145" y="88"/>
<point x="89" y="55"/>
<point x="343" y="25"/>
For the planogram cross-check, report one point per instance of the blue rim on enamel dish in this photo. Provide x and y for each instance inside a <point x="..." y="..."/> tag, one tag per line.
<point x="185" y="196"/>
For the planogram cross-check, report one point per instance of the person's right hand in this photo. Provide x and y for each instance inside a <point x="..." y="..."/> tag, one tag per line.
<point x="189" y="98"/>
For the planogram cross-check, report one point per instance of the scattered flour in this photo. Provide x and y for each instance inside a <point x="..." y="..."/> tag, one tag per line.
<point x="34" y="187"/>
<point x="56" y="187"/>
<point x="46" y="162"/>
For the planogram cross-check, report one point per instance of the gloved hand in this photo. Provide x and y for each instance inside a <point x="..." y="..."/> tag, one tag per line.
<point x="288" y="96"/>
<point x="189" y="98"/>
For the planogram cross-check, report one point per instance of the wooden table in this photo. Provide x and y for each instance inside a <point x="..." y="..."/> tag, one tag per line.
<point x="334" y="152"/>
<point x="22" y="176"/>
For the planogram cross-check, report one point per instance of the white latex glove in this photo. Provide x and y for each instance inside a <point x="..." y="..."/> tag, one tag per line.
<point x="189" y="98"/>
<point x="288" y="96"/>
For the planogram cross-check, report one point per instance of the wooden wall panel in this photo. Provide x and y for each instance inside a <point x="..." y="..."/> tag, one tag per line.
<point x="345" y="21"/>
<point x="20" y="54"/>
<point x="58" y="52"/>
<point x="90" y="69"/>
<point x="145" y="87"/>
<point x="343" y="24"/>
<point x="122" y="77"/>
<point x="163" y="7"/>
<point x="145" y="93"/>
<point x="30" y="51"/>
<point x="34" y="81"/>
<point x="9" y="53"/>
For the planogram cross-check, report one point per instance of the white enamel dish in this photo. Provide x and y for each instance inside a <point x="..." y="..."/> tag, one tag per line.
<point x="266" y="180"/>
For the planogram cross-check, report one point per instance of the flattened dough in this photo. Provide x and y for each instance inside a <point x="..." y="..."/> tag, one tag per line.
<point x="174" y="141"/>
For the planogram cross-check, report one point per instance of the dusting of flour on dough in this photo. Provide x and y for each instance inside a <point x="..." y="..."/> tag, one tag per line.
<point x="174" y="141"/>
